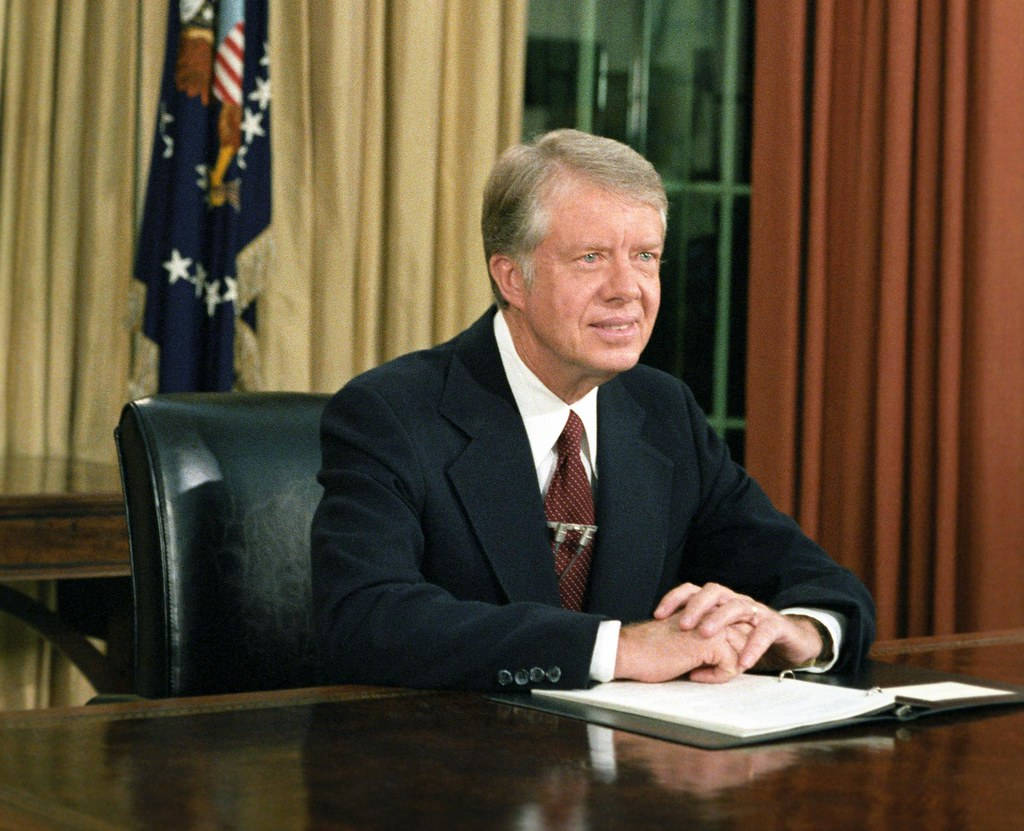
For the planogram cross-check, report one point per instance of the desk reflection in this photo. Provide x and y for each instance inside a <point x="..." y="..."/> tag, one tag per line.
<point x="709" y="773"/>
<point x="374" y="758"/>
<point x="566" y="799"/>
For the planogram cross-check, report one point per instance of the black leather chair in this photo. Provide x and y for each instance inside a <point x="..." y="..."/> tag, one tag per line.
<point x="219" y="490"/>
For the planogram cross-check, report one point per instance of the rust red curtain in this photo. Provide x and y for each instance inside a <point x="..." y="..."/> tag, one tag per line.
<point x="885" y="403"/>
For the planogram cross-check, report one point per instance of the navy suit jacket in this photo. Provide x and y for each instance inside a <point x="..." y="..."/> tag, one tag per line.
<point x="431" y="560"/>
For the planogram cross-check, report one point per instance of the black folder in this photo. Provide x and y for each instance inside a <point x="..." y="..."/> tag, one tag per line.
<point x="874" y="674"/>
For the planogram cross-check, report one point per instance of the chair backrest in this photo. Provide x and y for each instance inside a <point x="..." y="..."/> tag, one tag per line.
<point x="220" y="489"/>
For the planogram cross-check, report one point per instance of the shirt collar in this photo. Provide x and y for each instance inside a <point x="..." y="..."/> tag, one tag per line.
<point x="544" y="414"/>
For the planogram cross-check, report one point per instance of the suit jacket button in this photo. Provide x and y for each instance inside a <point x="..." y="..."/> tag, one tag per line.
<point x="554" y="675"/>
<point x="522" y="677"/>
<point x="536" y="675"/>
<point x="504" y="677"/>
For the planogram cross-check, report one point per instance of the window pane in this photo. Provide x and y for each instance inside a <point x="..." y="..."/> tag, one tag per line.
<point x="737" y="406"/>
<point x="672" y="78"/>
<point x="684" y="138"/>
<point x="684" y="336"/>
<point x="744" y="93"/>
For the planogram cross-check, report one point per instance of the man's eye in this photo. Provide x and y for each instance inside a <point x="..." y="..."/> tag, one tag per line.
<point x="589" y="258"/>
<point x="648" y="256"/>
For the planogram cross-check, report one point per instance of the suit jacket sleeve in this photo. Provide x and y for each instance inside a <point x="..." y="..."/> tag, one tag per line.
<point x="738" y="538"/>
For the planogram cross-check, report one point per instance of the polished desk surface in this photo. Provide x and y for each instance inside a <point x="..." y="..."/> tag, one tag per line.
<point x="358" y="757"/>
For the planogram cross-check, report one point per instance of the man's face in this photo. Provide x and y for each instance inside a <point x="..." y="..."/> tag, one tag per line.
<point x="590" y="309"/>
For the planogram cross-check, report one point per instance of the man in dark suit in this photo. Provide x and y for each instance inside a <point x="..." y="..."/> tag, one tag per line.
<point x="525" y="505"/>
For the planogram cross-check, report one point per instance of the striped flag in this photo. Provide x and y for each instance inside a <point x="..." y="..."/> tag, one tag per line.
<point x="204" y="242"/>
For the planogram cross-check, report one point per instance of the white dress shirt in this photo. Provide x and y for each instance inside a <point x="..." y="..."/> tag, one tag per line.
<point x="544" y="415"/>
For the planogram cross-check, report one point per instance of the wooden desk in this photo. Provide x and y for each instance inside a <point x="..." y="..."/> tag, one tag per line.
<point x="357" y="757"/>
<point x="63" y="520"/>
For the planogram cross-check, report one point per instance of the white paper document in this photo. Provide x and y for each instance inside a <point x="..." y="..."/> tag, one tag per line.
<point x="944" y="691"/>
<point x="747" y="705"/>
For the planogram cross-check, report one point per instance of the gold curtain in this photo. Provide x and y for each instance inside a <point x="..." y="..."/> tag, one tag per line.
<point x="396" y="111"/>
<point x="886" y="360"/>
<point x="387" y="116"/>
<point x="70" y="125"/>
<point x="75" y="99"/>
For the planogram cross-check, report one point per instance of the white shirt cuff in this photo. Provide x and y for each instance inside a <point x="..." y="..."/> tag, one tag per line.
<point x="834" y="622"/>
<point x="606" y="650"/>
<point x="606" y="645"/>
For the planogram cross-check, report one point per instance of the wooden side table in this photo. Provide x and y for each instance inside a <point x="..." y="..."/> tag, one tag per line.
<point x="64" y="520"/>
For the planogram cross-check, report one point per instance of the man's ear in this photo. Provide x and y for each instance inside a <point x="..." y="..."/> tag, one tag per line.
<point x="508" y="277"/>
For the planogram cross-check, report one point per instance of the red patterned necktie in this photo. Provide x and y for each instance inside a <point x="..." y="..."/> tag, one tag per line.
<point x="569" y="506"/>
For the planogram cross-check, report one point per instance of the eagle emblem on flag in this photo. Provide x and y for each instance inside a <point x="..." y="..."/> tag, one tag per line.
<point x="204" y="241"/>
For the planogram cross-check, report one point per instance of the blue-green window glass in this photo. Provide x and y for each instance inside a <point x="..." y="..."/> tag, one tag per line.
<point x="672" y="78"/>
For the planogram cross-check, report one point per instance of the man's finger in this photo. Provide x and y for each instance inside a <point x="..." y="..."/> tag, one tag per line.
<point x="675" y="599"/>
<point x="703" y="603"/>
<point x="735" y="608"/>
<point x="713" y="675"/>
<point x="760" y="641"/>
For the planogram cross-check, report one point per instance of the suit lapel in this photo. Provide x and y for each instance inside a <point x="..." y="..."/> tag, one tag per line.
<point x="634" y="483"/>
<point x="496" y="483"/>
<point x="494" y="477"/>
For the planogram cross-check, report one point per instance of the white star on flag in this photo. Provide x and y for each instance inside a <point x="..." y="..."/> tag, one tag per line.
<point x="261" y="95"/>
<point x="212" y="298"/>
<point x="165" y="119"/>
<point x="252" y="125"/>
<point x="177" y="267"/>
<point x="231" y="291"/>
<point x="200" y="279"/>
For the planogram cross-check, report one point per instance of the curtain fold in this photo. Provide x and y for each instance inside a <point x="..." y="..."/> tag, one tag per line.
<point x="886" y="357"/>
<point x="395" y="112"/>
<point x="69" y="128"/>
<point x="387" y="117"/>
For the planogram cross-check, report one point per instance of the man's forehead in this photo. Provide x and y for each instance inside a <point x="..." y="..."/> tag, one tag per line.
<point x="595" y="210"/>
<point x="575" y="192"/>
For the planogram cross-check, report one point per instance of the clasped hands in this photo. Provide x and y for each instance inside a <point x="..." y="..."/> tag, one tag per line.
<point x="710" y="633"/>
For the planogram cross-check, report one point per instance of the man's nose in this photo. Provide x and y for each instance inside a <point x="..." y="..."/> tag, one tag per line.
<point x="623" y="279"/>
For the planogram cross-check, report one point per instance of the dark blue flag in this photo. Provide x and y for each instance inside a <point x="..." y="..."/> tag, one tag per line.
<point x="203" y="245"/>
